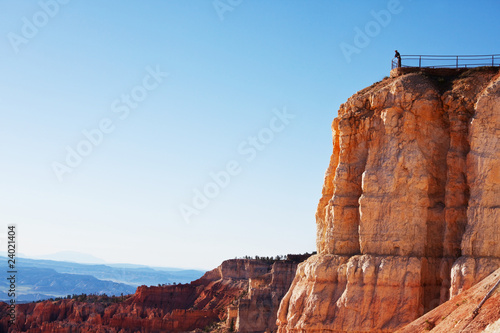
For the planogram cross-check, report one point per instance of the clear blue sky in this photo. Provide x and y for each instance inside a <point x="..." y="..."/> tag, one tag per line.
<point x="69" y="69"/>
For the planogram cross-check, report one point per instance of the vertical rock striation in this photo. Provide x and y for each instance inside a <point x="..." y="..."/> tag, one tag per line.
<point x="409" y="208"/>
<point x="481" y="241"/>
<point x="256" y="312"/>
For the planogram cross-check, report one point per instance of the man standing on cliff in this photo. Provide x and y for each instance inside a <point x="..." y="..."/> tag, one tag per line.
<point x="397" y="55"/>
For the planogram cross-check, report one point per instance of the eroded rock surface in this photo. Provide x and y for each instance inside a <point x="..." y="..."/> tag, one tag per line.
<point x="410" y="205"/>
<point x="251" y="288"/>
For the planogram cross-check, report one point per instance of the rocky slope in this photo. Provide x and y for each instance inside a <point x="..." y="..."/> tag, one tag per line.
<point x="409" y="213"/>
<point x="457" y="315"/>
<point x="245" y="293"/>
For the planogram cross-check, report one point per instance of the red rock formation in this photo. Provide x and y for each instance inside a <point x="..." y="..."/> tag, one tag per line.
<point x="174" y="308"/>
<point x="410" y="205"/>
<point x="256" y="312"/>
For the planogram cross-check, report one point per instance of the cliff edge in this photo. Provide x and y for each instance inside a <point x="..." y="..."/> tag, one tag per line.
<point x="409" y="212"/>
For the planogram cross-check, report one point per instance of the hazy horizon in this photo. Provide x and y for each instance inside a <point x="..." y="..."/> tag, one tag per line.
<point x="180" y="134"/>
<point x="87" y="259"/>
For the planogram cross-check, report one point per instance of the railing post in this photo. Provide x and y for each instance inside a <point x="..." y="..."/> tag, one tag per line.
<point x="457" y="61"/>
<point x="492" y="60"/>
<point x="419" y="61"/>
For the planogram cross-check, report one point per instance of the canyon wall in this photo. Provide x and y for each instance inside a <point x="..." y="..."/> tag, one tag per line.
<point x="256" y="311"/>
<point x="409" y="212"/>
<point x="245" y="293"/>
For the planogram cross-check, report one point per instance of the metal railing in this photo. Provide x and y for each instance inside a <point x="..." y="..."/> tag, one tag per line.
<point x="444" y="61"/>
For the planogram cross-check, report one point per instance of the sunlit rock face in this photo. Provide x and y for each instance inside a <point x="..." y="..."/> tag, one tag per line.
<point x="409" y="212"/>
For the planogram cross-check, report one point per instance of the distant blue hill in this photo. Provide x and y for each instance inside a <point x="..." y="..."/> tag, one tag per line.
<point x="34" y="283"/>
<point x="42" y="279"/>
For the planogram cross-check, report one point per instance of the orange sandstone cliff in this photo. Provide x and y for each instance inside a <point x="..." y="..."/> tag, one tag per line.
<point x="409" y="215"/>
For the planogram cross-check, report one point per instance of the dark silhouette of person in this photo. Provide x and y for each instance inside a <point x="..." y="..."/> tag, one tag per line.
<point x="397" y="55"/>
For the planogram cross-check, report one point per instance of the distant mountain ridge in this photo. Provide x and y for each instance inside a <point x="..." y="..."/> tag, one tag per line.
<point x="43" y="279"/>
<point x="34" y="283"/>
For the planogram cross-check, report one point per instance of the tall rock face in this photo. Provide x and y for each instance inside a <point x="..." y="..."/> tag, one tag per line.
<point x="409" y="212"/>
<point x="256" y="310"/>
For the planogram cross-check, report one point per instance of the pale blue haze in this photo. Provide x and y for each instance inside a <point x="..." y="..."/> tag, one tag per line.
<point x="225" y="78"/>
